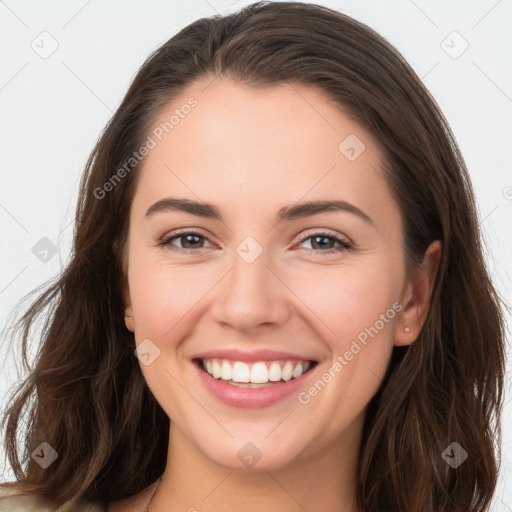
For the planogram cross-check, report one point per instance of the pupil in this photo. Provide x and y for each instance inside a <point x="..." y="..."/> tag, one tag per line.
<point x="188" y="237"/>
<point x="320" y="238"/>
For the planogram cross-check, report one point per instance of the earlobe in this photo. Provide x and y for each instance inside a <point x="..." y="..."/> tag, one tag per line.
<point x="128" y="311"/>
<point x="129" y="322"/>
<point x="417" y="297"/>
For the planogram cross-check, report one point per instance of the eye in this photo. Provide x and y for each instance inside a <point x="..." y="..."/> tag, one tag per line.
<point x="191" y="240"/>
<point x="319" y="240"/>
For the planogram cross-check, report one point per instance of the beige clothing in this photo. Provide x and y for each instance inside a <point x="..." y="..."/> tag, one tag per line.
<point x="10" y="502"/>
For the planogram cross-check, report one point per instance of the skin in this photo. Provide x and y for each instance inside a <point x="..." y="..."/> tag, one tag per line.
<point x="251" y="152"/>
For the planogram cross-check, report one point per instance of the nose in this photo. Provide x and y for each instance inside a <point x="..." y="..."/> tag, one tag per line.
<point x="251" y="295"/>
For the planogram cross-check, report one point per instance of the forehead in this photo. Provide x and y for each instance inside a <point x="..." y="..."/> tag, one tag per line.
<point x="275" y="121"/>
<point x="257" y="147"/>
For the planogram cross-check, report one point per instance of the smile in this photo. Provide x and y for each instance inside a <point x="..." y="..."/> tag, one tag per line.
<point x="257" y="374"/>
<point x="253" y="384"/>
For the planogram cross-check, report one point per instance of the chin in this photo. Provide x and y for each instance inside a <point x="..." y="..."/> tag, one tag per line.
<point x="246" y="456"/>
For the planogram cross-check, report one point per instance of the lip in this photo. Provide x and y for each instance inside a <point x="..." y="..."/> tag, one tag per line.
<point x="248" y="357"/>
<point x="250" y="398"/>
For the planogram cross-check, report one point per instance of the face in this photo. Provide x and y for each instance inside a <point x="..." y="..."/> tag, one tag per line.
<point x="259" y="281"/>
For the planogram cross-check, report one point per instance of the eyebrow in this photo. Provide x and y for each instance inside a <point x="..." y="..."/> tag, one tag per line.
<point x="286" y="213"/>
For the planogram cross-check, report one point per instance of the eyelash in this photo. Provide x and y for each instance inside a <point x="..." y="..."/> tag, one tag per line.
<point x="345" y="245"/>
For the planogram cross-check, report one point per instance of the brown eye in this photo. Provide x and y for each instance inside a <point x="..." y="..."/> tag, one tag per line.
<point x="320" y="243"/>
<point x="189" y="240"/>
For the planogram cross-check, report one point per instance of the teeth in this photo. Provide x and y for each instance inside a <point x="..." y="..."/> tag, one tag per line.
<point x="225" y="373"/>
<point x="257" y="373"/>
<point x="274" y="372"/>
<point x="216" y="371"/>
<point x="240" y="372"/>
<point x="297" y="371"/>
<point x="287" y="371"/>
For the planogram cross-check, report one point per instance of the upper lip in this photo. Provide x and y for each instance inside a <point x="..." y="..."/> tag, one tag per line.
<point x="254" y="355"/>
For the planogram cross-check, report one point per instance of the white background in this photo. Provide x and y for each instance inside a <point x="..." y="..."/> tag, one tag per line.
<point x="53" y="110"/>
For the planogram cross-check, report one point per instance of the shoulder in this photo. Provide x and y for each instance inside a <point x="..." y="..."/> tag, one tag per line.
<point x="14" y="500"/>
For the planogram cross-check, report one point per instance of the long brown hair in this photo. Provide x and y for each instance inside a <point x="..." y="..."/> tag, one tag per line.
<point x="86" y="395"/>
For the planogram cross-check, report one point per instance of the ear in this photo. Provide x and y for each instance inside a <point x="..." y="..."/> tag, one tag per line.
<point x="416" y="298"/>
<point x="118" y="247"/>
<point x="129" y="320"/>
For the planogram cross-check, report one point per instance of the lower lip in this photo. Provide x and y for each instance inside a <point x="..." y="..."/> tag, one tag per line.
<point x="253" y="398"/>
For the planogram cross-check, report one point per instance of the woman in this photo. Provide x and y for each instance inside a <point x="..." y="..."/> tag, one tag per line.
<point x="200" y="356"/>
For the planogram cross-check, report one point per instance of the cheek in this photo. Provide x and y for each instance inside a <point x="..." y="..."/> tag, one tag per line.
<point x="354" y="310"/>
<point x="165" y="296"/>
<point x="347" y="299"/>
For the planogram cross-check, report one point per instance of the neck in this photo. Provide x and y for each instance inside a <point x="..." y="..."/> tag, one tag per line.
<point x="326" y="481"/>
